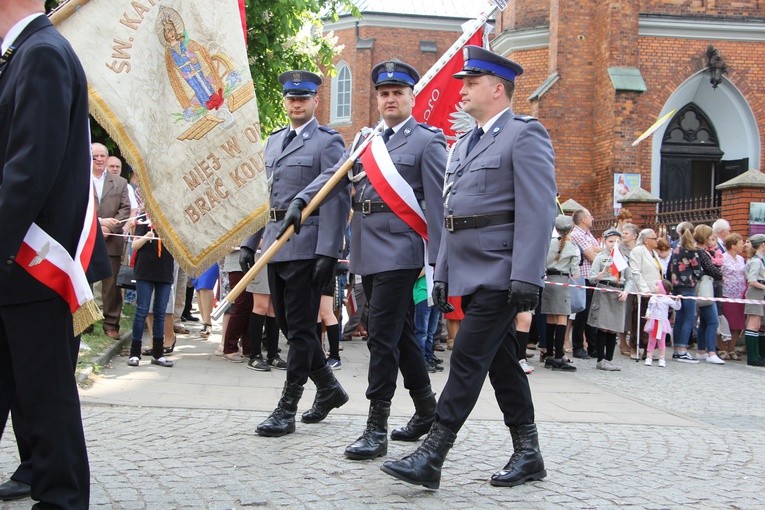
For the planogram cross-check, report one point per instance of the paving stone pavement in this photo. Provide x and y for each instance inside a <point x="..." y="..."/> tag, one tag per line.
<point x="681" y="437"/>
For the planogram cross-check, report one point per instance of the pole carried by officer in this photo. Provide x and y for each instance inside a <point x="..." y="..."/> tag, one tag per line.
<point x="295" y="155"/>
<point x="499" y="191"/>
<point x="389" y="253"/>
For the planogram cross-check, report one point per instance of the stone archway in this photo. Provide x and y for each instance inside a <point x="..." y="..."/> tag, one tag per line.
<point x="727" y="112"/>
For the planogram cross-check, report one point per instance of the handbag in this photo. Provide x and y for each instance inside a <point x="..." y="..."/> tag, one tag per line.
<point x="705" y="288"/>
<point x="578" y="296"/>
<point x="125" y="276"/>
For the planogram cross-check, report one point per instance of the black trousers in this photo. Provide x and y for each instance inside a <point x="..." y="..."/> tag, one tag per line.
<point x="580" y="328"/>
<point x="485" y="344"/>
<point x="37" y="353"/>
<point x="296" y="305"/>
<point x="392" y="344"/>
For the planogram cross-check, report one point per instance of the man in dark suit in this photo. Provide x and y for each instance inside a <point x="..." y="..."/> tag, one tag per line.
<point x="294" y="156"/>
<point x="44" y="179"/>
<point x="499" y="212"/>
<point x="113" y="207"/>
<point x="389" y="254"/>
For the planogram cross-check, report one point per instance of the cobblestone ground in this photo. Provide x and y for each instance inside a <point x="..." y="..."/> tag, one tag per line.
<point x="167" y="458"/>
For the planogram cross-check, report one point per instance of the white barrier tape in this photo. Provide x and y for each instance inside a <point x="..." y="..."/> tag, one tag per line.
<point x="649" y="294"/>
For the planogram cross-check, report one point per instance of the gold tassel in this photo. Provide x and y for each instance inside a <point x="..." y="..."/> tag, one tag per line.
<point x="86" y="315"/>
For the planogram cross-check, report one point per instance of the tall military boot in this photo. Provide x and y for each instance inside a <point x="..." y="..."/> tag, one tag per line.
<point x="753" y="354"/>
<point x="424" y="416"/>
<point x="526" y="462"/>
<point x="282" y="420"/>
<point x="423" y="466"/>
<point x="373" y="442"/>
<point x="329" y="395"/>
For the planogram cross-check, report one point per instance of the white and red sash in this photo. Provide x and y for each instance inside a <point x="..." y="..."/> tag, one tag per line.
<point x="397" y="194"/>
<point x="49" y="263"/>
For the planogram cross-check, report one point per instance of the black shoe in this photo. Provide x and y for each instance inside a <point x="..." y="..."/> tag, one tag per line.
<point x="189" y="318"/>
<point x="12" y="490"/>
<point x="282" y="420"/>
<point x="423" y="466"/>
<point x="163" y="362"/>
<point x="329" y="395"/>
<point x="373" y="442"/>
<point x="560" y="365"/>
<point x="526" y="463"/>
<point x="437" y="361"/>
<point x="581" y="354"/>
<point x="424" y="416"/>
<point x="432" y="367"/>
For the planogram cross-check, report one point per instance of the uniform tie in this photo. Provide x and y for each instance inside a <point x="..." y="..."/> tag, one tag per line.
<point x="287" y="139"/>
<point x="387" y="134"/>
<point x="477" y="134"/>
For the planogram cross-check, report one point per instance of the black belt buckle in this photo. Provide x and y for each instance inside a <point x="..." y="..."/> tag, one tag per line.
<point x="449" y="223"/>
<point x="272" y="214"/>
<point x="366" y="207"/>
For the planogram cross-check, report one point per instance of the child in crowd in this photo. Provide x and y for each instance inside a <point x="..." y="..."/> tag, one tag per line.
<point x="658" y="324"/>
<point x="608" y="311"/>
<point x="154" y="275"/>
<point x="562" y="264"/>
<point x="755" y="277"/>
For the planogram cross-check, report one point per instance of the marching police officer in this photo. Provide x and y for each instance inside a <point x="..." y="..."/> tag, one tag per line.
<point x="294" y="156"/>
<point x="499" y="212"/>
<point x="389" y="254"/>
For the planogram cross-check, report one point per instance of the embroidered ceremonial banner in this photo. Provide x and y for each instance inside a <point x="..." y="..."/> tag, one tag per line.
<point x="170" y="82"/>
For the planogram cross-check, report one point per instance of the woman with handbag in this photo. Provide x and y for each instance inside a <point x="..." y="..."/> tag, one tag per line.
<point x="685" y="272"/>
<point x="711" y="262"/>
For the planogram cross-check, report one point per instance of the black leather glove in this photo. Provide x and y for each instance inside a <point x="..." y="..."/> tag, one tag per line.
<point x="523" y="296"/>
<point x="292" y="216"/>
<point x="440" y="297"/>
<point x="246" y="259"/>
<point x="323" y="271"/>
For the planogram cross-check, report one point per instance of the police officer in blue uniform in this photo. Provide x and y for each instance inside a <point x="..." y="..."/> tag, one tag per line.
<point x="295" y="155"/>
<point x="389" y="255"/>
<point x="499" y="212"/>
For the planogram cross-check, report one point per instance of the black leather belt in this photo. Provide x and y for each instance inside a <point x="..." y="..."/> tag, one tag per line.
<point x="278" y="214"/>
<point x="611" y="284"/>
<point x="452" y="223"/>
<point x="369" y="207"/>
<point x="555" y="272"/>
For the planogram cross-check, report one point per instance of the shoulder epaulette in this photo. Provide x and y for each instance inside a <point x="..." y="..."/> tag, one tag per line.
<point x="328" y="130"/>
<point x="525" y="118"/>
<point x="277" y="130"/>
<point x="428" y="127"/>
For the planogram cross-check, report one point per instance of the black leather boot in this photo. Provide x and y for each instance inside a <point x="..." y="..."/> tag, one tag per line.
<point x="373" y="442"/>
<point x="424" y="416"/>
<point x="329" y="395"/>
<point x="423" y="466"/>
<point x="526" y="462"/>
<point x="282" y="420"/>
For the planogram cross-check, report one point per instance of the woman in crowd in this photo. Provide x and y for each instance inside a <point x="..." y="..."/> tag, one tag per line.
<point x="755" y="277"/>
<point x="153" y="273"/>
<point x="734" y="286"/>
<point x="646" y="271"/>
<point x="562" y="263"/>
<point x="711" y="261"/>
<point x="685" y="272"/>
<point x="204" y="286"/>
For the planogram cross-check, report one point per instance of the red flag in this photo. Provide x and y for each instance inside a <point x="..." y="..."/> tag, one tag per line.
<point x="440" y="98"/>
<point x="243" y="14"/>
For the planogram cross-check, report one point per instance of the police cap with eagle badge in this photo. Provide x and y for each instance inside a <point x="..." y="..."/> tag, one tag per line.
<point x="479" y="61"/>
<point x="394" y="72"/>
<point x="299" y="83"/>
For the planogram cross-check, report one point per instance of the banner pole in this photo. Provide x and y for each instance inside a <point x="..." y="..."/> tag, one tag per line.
<point x="267" y="255"/>
<point x="63" y="11"/>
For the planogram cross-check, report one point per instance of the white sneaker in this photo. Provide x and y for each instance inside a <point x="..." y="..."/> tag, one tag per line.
<point x="662" y="362"/>
<point x="715" y="359"/>
<point x="610" y="366"/>
<point x="648" y="362"/>
<point x="527" y="369"/>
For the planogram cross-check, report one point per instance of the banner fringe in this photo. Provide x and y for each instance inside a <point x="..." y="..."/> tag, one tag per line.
<point x="85" y="315"/>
